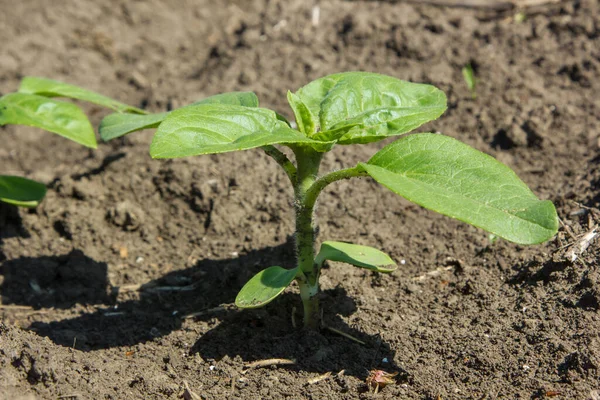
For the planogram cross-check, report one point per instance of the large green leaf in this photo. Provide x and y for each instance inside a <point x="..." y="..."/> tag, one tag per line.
<point x="119" y="124"/>
<point x="63" y="118"/>
<point x="358" y="255"/>
<point x="447" y="176"/>
<point x="218" y="128"/>
<point x="50" y="88"/>
<point x="264" y="287"/>
<point x="362" y="107"/>
<point x="20" y="191"/>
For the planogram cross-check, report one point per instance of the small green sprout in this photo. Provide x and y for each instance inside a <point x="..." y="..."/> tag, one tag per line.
<point x="432" y="170"/>
<point x="469" y="76"/>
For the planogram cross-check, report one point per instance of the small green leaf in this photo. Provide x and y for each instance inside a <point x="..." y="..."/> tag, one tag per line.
<point x="470" y="80"/>
<point x="218" y="128"/>
<point x="62" y="118"/>
<point x="20" y="191"/>
<point x="246" y="99"/>
<point x="50" y="88"/>
<point x="304" y="119"/>
<point x="360" y="256"/>
<point x="264" y="287"/>
<point x="442" y="174"/>
<point x="118" y="124"/>
<point x="362" y="107"/>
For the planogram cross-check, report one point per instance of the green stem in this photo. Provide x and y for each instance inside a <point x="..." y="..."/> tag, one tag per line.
<point x="313" y="192"/>
<point x="308" y="161"/>
<point x="281" y="159"/>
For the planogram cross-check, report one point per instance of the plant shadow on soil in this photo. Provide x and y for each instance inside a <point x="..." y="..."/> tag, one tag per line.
<point x="54" y="281"/>
<point x="11" y="225"/>
<point x="249" y="334"/>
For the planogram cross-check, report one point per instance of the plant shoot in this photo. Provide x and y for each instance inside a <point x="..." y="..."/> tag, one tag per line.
<point x="432" y="170"/>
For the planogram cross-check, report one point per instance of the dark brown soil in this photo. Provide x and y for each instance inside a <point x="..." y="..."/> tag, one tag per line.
<point x="462" y="318"/>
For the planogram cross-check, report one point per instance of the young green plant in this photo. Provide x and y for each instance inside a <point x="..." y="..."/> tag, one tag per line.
<point x="469" y="77"/>
<point x="432" y="170"/>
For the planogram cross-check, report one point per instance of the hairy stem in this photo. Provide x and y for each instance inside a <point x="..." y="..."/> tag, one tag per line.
<point x="313" y="192"/>
<point x="281" y="159"/>
<point x="308" y="161"/>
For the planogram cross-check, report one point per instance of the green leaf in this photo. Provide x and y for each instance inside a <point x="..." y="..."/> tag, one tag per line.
<point x="117" y="124"/>
<point x="360" y="256"/>
<point x="264" y="287"/>
<point x="50" y="88"/>
<point x="218" y="128"/>
<point x="447" y="176"/>
<point x="362" y="107"/>
<point x="304" y="119"/>
<point x="470" y="80"/>
<point x="246" y="99"/>
<point x="20" y="191"/>
<point x="62" y="118"/>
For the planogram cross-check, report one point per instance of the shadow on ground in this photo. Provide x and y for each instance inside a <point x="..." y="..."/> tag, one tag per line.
<point x="258" y="334"/>
<point x="54" y="281"/>
<point x="11" y="224"/>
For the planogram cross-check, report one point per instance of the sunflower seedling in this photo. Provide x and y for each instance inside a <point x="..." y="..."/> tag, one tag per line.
<point x="432" y="170"/>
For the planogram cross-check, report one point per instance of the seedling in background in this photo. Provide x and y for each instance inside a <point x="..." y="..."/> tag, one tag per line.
<point x="65" y="119"/>
<point x="471" y="81"/>
<point x="432" y="170"/>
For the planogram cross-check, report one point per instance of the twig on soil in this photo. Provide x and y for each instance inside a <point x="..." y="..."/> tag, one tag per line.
<point x="152" y="287"/>
<point x="567" y="229"/>
<point x="14" y="307"/>
<point x="187" y="288"/>
<point x="346" y="335"/>
<point x="316" y="12"/>
<point x="581" y="245"/>
<point x="187" y="393"/>
<point x="582" y="242"/>
<point x="222" y="307"/>
<point x="493" y="5"/>
<point x="436" y="272"/>
<point x="319" y="378"/>
<point x="267" y="363"/>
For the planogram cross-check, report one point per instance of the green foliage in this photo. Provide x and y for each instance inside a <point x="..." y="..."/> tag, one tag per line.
<point x="359" y="107"/>
<point x="119" y="124"/>
<point x="218" y="128"/>
<point x="49" y="88"/>
<point x="65" y="119"/>
<point x="434" y="171"/>
<point x="447" y="176"/>
<point x="21" y="192"/>
<point x="265" y="287"/>
<point x="34" y="106"/>
<point x="357" y="255"/>
<point x="470" y="80"/>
